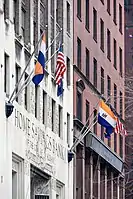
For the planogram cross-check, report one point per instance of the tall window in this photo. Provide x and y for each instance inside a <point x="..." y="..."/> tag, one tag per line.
<point x="60" y="121"/>
<point x="120" y="61"/>
<point x="68" y="17"/>
<point x="36" y="101"/>
<point x="115" y="54"/>
<point x="102" y="133"/>
<point x="79" y="106"/>
<point x="95" y="72"/>
<point x="115" y="96"/>
<point x="17" y="75"/>
<point x="121" y="104"/>
<point x="23" y="22"/>
<point x="120" y="18"/>
<point x="79" y="53"/>
<point x="87" y="111"/>
<point x="6" y="75"/>
<point x="68" y="128"/>
<point x="102" y="80"/>
<point x="6" y="9"/>
<point x="15" y="17"/>
<point x="87" y="15"/>
<point x="53" y="114"/>
<point x="87" y="63"/>
<point x="121" y="145"/>
<point x="108" y="6"/>
<point x="108" y="88"/>
<point x="102" y="34"/>
<point x="95" y="119"/>
<point x="108" y="45"/>
<point x="26" y="93"/>
<point x="102" y="1"/>
<point x="114" y="11"/>
<point x="44" y="113"/>
<point x="94" y="24"/>
<point x="115" y="142"/>
<point x="68" y="71"/>
<point x="79" y="9"/>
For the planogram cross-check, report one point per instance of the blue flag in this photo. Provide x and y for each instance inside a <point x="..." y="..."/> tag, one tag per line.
<point x="60" y="88"/>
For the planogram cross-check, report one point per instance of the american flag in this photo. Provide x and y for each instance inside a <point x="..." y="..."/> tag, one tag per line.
<point x="120" y="128"/>
<point x="60" y="67"/>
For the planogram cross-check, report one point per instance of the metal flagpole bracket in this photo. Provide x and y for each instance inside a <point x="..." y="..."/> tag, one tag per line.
<point x="8" y="109"/>
<point x="70" y="156"/>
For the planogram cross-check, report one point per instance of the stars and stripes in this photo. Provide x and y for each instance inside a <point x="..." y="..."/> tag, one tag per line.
<point x="60" y="67"/>
<point x="120" y="128"/>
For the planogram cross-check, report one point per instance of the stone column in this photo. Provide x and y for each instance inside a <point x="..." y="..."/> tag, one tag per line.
<point x="91" y="177"/>
<point x="98" y="173"/>
<point x="105" y="182"/>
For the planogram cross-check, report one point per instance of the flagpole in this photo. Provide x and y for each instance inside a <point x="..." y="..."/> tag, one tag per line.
<point x="26" y="81"/>
<point x="33" y="69"/>
<point x="80" y="138"/>
<point x="85" y="125"/>
<point x="16" y="86"/>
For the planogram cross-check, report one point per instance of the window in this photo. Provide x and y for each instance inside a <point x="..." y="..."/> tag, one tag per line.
<point x="120" y="18"/>
<point x="26" y="93"/>
<point x="120" y="61"/>
<point x="79" y="9"/>
<point x="53" y="114"/>
<point x="6" y="9"/>
<point x="102" y="133"/>
<point x="102" y="35"/>
<point x="115" y="54"/>
<point x="15" y="17"/>
<point x="108" y="6"/>
<point x="79" y="53"/>
<point x="109" y="142"/>
<point x="108" y="183"/>
<point x="87" y="63"/>
<point x="94" y="24"/>
<point x="95" y="123"/>
<point x="23" y="22"/>
<point x="44" y="110"/>
<point x="6" y="75"/>
<point x="121" y="145"/>
<point x="68" y="129"/>
<point x="108" y="45"/>
<point x="87" y="15"/>
<point x="95" y="72"/>
<point x="79" y="106"/>
<point x="108" y="88"/>
<point x="41" y="196"/>
<point x="102" y="80"/>
<point x="17" y="177"/>
<point x="60" y="121"/>
<point x="68" y="17"/>
<point x="121" y="104"/>
<point x="115" y="96"/>
<point x="115" y="142"/>
<point x="68" y="71"/>
<point x="102" y="1"/>
<point x="87" y="112"/>
<point x="114" y="11"/>
<point x="36" y="101"/>
<point x="17" y="75"/>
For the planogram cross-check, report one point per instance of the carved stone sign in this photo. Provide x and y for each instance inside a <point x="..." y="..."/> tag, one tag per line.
<point x="41" y="148"/>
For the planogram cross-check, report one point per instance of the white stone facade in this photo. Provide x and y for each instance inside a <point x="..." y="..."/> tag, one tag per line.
<point x="28" y="143"/>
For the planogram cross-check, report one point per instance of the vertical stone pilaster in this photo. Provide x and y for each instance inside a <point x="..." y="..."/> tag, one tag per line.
<point x="91" y="177"/>
<point x="112" y="190"/>
<point x="105" y="182"/>
<point x="99" y="178"/>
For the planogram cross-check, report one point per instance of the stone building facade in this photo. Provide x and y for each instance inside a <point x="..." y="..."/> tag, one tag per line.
<point x="98" y="72"/>
<point x="36" y="137"/>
